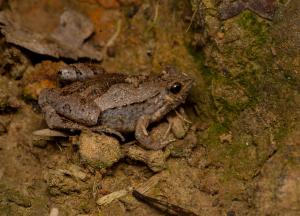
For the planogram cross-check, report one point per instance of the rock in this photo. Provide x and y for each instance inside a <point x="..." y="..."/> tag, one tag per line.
<point x="99" y="151"/>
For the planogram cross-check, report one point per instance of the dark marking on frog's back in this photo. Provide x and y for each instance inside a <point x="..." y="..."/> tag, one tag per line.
<point x="93" y="88"/>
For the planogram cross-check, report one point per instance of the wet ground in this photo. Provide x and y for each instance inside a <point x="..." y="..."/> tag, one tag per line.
<point x="245" y="105"/>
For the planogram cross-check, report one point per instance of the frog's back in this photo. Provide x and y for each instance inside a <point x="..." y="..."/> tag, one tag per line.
<point x="93" y="88"/>
<point x="124" y="103"/>
<point x="125" y="94"/>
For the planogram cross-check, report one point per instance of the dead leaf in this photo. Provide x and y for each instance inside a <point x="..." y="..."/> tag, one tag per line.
<point x="69" y="39"/>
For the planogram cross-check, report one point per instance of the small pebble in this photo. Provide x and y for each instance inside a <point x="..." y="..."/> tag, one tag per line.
<point x="54" y="212"/>
<point x="100" y="151"/>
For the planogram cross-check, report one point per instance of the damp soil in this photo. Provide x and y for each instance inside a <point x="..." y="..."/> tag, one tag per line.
<point x="245" y="104"/>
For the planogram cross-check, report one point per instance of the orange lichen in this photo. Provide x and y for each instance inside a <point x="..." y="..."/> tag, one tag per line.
<point x="44" y="70"/>
<point x="33" y="90"/>
<point x="104" y="22"/>
<point x="42" y="76"/>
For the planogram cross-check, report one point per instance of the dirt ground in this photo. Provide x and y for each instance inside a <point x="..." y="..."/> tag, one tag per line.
<point x="245" y="105"/>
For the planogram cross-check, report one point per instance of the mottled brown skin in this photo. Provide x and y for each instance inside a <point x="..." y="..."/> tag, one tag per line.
<point x="113" y="103"/>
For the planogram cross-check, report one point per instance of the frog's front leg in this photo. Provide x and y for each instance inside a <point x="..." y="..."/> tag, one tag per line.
<point x="144" y="138"/>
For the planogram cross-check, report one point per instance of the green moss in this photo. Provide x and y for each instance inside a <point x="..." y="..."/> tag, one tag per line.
<point x="249" y="62"/>
<point x="282" y="132"/>
<point x="249" y="83"/>
<point x="199" y="58"/>
<point x="249" y="22"/>
<point x="213" y="133"/>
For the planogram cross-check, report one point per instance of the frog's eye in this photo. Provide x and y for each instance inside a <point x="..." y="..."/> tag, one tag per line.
<point x="175" y="88"/>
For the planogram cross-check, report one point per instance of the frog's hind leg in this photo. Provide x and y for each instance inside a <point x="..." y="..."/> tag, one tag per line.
<point x="55" y="121"/>
<point x="103" y="129"/>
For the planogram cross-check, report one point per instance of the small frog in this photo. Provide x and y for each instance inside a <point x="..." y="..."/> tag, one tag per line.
<point x="114" y="103"/>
